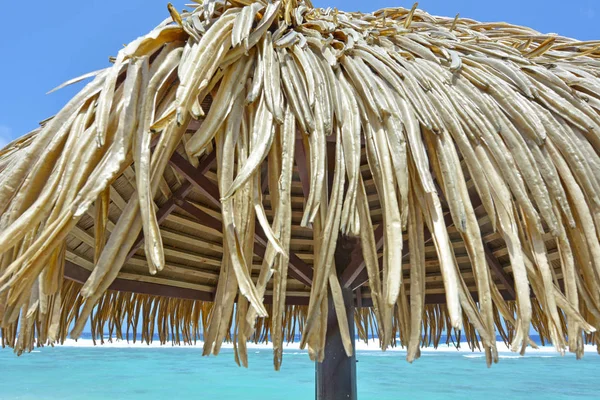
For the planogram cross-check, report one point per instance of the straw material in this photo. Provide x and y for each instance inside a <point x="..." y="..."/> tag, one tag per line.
<point x="440" y="126"/>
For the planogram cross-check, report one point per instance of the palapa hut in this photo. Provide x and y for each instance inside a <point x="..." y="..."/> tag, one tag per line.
<point x="248" y="170"/>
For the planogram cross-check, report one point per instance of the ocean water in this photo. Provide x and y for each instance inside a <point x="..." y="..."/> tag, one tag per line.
<point x="182" y="373"/>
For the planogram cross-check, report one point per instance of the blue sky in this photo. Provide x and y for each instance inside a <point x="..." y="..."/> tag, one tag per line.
<point x="48" y="42"/>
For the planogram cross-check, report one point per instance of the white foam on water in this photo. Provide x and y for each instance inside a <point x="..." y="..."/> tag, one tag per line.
<point x="372" y="346"/>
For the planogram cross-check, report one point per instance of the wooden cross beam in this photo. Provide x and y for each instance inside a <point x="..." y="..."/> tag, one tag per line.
<point x="491" y="259"/>
<point x="432" y="298"/>
<point x="300" y="158"/>
<point x="169" y="206"/>
<point x="79" y="274"/>
<point x="356" y="274"/>
<point x="356" y="265"/>
<point x="507" y="281"/>
<point x="356" y="271"/>
<point x="201" y="216"/>
<point x="264" y="180"/>
<point x="298" y="269"/>
<point x="196" y="178"/>
<point x="161" y="215"/>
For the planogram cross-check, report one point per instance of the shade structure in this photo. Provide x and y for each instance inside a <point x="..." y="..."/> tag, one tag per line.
<point x="214" y="177"/>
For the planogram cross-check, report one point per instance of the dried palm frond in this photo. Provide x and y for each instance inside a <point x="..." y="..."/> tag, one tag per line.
<point x="432" y="103"/>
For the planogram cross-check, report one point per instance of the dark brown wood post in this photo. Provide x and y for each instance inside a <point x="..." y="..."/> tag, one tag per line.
<point x="336" y="376"/>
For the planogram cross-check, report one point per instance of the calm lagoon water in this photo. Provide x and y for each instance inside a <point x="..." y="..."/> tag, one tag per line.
<point x="182" y="373"/>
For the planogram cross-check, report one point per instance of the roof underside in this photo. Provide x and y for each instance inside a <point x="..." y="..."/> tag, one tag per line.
<point x="193" y="242"/>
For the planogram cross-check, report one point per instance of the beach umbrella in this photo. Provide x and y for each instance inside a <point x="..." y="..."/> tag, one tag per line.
<point x="253" y="169"/>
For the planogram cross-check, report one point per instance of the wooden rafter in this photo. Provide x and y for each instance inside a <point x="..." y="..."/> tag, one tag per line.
<point x="496" y="267"/>
<point x="507" y="280"/>
<point x="264" y="180"/>
<point x="169" y="206"/>
<point x="201" y="216"/>
<point x="196" y="178"/>
<point x="356" y="274"/>
<point x="298" y="269"/>
<point x="356" y="270"/>
<point x="161" y="215"/>
<point x="300" y="159"/>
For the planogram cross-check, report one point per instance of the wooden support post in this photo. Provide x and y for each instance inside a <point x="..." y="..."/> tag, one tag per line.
<point x="335" y="377"/>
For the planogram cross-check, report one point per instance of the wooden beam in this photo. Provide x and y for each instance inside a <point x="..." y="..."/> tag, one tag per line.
<point x="359" y="303"/>
<point x="161" y="215"/>
<point x="264" y="179"/>
<point x="289" y="300"/>
<point x="201" y="216"/>
<point x="167" y="208"/>
<point x="433" y="298"/>
<point x="362" y="277"/>
<point x="356" y="276"/>
<point x="491" y="259"/>
<point x="194" y="125"/>
<point x="298" y="269"/>
<point x="196" y="178"/>
<point x="507" y="280"/>
<point x="300" y="159"/>
<point x="79" y="274"/>
<point x="330" y="166"/>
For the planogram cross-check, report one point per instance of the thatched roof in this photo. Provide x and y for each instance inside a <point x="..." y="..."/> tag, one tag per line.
<point x="223" y="156"/>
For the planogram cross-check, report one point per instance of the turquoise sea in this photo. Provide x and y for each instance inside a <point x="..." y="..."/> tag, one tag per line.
<point x="182" y="373"/>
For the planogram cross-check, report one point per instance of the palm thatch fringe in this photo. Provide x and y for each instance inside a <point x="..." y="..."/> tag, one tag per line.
<point x="429" y="101"/>
<point x="131" y="317"/>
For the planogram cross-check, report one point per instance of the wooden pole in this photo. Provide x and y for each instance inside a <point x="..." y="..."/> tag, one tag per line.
<point x="335" y="377"/>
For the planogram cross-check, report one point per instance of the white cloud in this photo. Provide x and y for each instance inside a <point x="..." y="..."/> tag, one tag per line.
<point x="5" y="136"/>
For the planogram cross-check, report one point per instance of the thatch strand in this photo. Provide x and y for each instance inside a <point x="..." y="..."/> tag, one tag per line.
<point x="138" y="317"/>
<point x="432" y="101"/>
